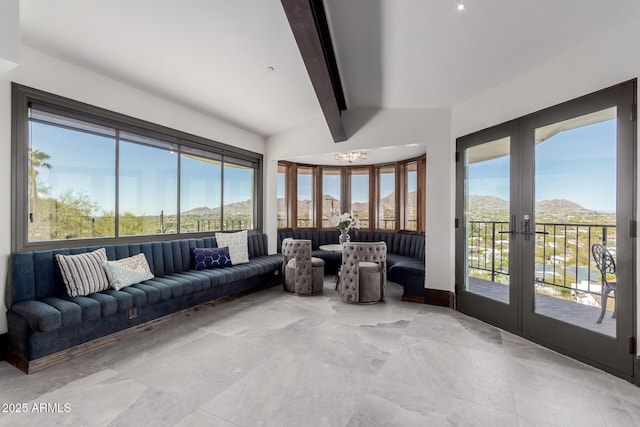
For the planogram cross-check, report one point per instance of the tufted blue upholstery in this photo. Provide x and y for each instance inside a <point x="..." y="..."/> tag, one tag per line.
<point x="43" y="319"/>
<point x="405" y="254"/>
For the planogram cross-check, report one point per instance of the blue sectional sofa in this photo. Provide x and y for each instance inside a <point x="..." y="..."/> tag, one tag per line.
<point x="44" y="322"/>
<point x="405" y="255"/>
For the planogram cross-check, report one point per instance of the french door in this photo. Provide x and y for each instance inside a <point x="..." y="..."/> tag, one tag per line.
<point x="539" y="200"/>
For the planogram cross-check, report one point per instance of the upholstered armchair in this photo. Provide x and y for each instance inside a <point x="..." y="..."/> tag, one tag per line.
<point x="302" y="273"/>
<point x="363" y="272"/>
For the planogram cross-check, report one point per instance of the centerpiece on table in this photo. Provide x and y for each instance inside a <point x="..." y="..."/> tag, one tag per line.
<point x="344" y="223"/>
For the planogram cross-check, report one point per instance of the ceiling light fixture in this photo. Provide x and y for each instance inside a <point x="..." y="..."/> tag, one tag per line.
<point x="351" y="156"/>
<point x="461" y="6"/>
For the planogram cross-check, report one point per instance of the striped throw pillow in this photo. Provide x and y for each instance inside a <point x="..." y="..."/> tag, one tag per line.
<point x="83" y="274"/>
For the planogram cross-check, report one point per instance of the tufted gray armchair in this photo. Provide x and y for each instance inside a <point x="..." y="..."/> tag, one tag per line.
<point x="302" y="274"/>
<point x="363" y="272"/>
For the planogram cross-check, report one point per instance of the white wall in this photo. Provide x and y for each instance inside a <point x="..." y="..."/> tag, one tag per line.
<point x="46" y="73"/>
<point x="599" y="63"/>
<point x="382" y="128"/>
<point x="5" y="193"/>
<point x="9" y="34"/>
<point x="607" y="60"/>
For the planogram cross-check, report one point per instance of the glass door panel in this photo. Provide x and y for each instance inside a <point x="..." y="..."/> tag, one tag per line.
<point x="487" y="219"/>
<point x="545" y="237"/>
<point x="575" y="218"/>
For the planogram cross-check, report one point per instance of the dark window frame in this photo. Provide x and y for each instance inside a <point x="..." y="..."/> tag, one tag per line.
<point x="23" y="97"/>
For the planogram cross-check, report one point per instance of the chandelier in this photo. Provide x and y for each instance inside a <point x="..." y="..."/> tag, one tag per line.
<point x="351" y="156"/>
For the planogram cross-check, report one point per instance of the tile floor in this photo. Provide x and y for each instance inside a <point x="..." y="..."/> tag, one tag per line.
<point x="274" y="359"/>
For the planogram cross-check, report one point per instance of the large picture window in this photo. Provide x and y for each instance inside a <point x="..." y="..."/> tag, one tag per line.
<point x="238" y="196"/>
<point x="201" y="191"/>
<point x="71" y="179"/>
<point x="148" y="202"/>
<point x="85" y="173"/>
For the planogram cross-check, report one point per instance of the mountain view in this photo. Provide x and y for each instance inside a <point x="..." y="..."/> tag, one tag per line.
<point x="331" y="205"/>
<point x="386" y="203"/>
<point x="239" y="208"/>
<point x="492" y="208"/>
<point x="565" y="232"/>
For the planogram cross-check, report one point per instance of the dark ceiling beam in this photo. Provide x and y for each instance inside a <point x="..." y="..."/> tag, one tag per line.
<point x="309" y="25"/>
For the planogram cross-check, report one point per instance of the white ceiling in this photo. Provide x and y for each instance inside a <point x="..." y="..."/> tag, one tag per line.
<point x="212" y="55"/>
<point x="209" y="55"/>
<point x="426" y="53"/>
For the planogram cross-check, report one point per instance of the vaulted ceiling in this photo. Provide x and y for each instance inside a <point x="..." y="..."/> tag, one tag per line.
<point x="238" y="59"/>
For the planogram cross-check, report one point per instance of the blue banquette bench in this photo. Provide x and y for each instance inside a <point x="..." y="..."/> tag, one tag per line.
<point x="405" y="255"/>
<point x="44" y="322"/>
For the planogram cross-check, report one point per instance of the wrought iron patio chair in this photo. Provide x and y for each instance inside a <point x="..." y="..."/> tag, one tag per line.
<point x="607" y="265"/>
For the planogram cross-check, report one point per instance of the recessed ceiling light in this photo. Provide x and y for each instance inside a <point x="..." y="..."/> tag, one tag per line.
<point x="270" y="69"/>
<point x="461" y="6"/>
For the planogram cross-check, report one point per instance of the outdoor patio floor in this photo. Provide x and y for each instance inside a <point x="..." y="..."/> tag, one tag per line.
<point x="574" y="313"/>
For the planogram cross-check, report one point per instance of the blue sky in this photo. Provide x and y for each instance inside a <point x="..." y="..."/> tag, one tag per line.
<point x="331" y="185"/>
<point x="85" y="163"/>
<point x="577" y="165"/>
<point x="359" y="186"/>
<point x="280" y="185"/>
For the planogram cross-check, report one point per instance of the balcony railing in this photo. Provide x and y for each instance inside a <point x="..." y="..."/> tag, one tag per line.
<point x="217" y="225"/>
<point x="563" y="258"/>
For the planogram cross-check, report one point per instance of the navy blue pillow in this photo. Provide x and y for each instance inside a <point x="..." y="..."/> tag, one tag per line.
<point x="211" y="258"/>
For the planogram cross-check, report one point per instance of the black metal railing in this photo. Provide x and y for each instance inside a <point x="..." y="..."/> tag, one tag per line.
<point x="488" y="238"/>
<point x="563" y="258"/>
<point x="201" y="225"/>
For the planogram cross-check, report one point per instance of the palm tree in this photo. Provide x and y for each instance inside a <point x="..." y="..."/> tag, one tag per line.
<point x="37" y="159"/>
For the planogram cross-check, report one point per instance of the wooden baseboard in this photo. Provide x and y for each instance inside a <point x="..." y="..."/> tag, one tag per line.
<point x="4" y="344"/>
<point x="31" y="366"/>
<point x="440" y="298"/>
<point x="411" y="298"/>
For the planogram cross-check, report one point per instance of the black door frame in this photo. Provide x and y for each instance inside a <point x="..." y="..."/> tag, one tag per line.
<point x="615" y="355"/>
<point x="494" y="312"/>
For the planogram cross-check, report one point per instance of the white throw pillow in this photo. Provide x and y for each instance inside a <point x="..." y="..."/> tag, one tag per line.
<point x="127" y="271"/>
<point x="83" y="273"/>
<point x="237" y="244"/>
